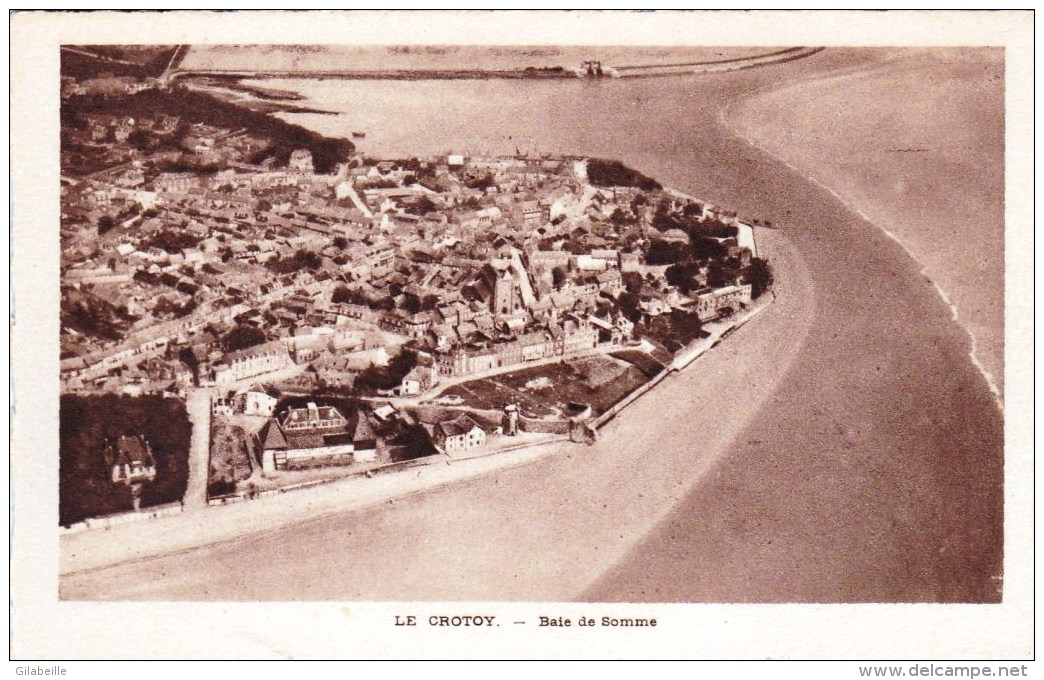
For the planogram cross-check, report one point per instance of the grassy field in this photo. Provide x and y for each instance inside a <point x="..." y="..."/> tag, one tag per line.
<point x="546" y="391"/>
<point x="85" y="422"/>
<point x="643" y="361"/>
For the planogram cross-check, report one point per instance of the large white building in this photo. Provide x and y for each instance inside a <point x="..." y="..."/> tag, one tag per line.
<point x="709" y="305"/>
<point x="315" y="436"/>
<point x="460" y="434"/>
<point x="253" y="361"/>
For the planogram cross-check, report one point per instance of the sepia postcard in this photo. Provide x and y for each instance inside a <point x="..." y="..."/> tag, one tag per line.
<point x="521" y="334"/>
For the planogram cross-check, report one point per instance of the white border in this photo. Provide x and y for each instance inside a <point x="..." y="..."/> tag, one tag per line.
<point x="46" y="628"/>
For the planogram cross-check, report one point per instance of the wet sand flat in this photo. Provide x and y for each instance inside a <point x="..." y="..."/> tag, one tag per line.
<point x="916" y="144"/>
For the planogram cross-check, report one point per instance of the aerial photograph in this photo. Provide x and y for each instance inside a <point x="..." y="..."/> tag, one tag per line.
<point x="532" y="323"/>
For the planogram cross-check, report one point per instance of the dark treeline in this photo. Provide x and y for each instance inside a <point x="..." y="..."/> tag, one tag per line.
<point x="198" y="107"/>
<point x="137" y="61"/>
<point x="607" y="173"/>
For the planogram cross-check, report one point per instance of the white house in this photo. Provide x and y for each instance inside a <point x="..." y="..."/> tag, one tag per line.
<point x="254" y="402"/>
<point x="419" y="379"/>
<point x="130" y="460"/>
<point x="460" y="434"/>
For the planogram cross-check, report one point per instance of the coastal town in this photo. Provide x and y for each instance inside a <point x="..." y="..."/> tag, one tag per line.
<point x="304" y="311"/>
<point x="262" y="404"/>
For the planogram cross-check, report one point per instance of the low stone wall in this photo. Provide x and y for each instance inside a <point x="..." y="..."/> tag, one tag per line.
<point x="125" y="518"/>
<point x="382" y="469"/>
<point x="329" y="460"/>
<point x="543" y="426"/>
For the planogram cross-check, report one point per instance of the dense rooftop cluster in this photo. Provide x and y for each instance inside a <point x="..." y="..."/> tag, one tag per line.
<point x="195" y="254"/>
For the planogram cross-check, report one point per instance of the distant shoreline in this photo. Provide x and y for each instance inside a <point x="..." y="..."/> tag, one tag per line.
<point x="233" y="78"/>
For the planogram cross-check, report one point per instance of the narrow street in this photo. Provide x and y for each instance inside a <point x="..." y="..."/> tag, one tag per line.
<point x="198" y="404"/>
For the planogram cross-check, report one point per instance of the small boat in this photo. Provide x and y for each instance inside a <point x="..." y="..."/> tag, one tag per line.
<point x="359" y="135"/>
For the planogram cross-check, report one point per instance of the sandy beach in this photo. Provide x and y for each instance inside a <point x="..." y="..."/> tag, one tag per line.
<point x="840" y="447"/>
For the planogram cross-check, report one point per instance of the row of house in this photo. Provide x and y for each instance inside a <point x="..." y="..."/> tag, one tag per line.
<point x="575" y="335"/>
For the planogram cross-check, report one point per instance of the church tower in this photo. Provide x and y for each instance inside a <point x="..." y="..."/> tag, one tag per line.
<point x="504" y="294"/>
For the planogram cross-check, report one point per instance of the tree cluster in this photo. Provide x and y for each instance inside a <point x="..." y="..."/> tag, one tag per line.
<point x="302" y="259"/>
<point x="484" y="182"/>
<point x="413" y="304"/>
<point x="610" y="173"/>
<point x="682" y="275"/>
<point x="422" y="205"/>
<point x="386" y="377"/>
<point x="86" y="423"/>
<point x="108" y="222"/>
<point x="345" y="295"/>
<point x="166" y="307"/>
<point x="667" y="252"/>
<point x="173" y="241"/>
<point x="722" y="273"/>
<point x="558" y="277"/>
<point x="243" y="336"/>
<point x="759" y="275"/>
<point x="198" y="107"/>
